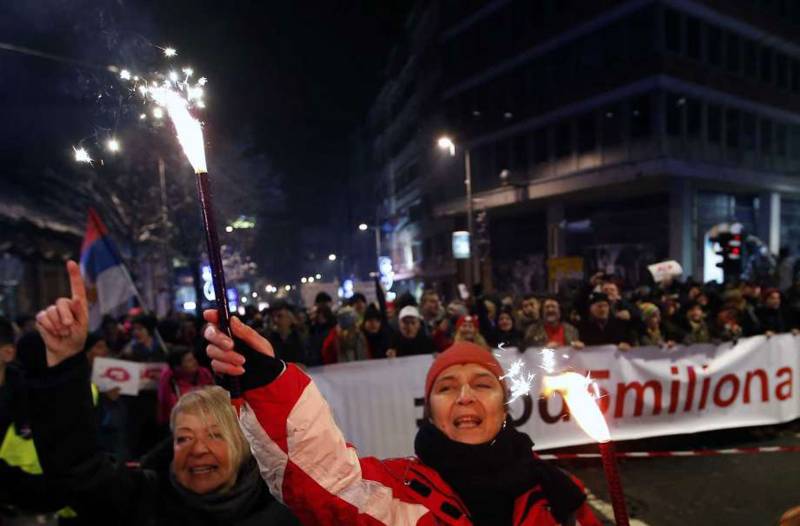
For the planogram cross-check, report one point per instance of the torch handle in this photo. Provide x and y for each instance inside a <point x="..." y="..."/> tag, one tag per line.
<point x="608" y="455"/>
<point x="215" y="262"/>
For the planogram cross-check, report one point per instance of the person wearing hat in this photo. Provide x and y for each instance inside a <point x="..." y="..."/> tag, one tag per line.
<point x="601" y="328"/>
<point x="696" y="327"/>
<point x="376" y="331"/>
<point x="468" y="330"/>
<point x="284" y="335"/>
<point x="653" y="331"/>
<point x="471" y="466"/>
<point x="345" y="342"/>
<point x="410" y="339"/>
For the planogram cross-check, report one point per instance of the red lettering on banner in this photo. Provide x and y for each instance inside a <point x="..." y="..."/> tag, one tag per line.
<point x="734" y="381"/>
<point x="603" y="401"/>
<point x="762" y="375"/>
<point x="674" y="391"/>
<point x="690" y="391"/>
<point x="638" y="389"/>
<point x="780" y="388"/>
<point x="728" y="390"/>
<point x="704" y="392"/>
<point x="544" y="410"/>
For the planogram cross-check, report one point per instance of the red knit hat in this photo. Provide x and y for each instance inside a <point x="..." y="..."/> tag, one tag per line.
<point x="468" y="317"/>
<point x="460" y="353"/>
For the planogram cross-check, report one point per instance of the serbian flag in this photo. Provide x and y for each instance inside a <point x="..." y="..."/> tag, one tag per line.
<point x="109" y="287"/>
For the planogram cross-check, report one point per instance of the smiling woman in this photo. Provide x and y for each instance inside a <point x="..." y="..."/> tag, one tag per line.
<point x="207" y="477"/>
<point x="471" y="467"/>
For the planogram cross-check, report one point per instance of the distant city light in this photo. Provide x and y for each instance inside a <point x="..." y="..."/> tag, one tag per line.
<point x="303" y="280"/>
<point x="287" y="288"/>
<point x="189" y="305"/>
<point x="318" y="276"/>
<point x="331" y="257"/>
<point x="311" y="279"/>
<point x="363" y="226"/>
<point x="229" y="229"/>
<point x="255" y="294"/>
<point x="446" y="143"/>
<point x="112" y="145"/>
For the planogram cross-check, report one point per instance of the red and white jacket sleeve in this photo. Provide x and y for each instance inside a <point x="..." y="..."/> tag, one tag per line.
<point x="307" y="464"/>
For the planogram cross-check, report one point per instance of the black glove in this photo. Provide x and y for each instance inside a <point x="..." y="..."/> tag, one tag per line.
<point x="259" y="369"/>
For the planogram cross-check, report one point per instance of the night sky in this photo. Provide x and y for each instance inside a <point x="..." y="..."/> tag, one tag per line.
<point x="290" y="80"/>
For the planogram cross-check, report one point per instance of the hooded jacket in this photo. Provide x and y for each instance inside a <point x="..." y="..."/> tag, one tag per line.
<point x="310" y="468"/>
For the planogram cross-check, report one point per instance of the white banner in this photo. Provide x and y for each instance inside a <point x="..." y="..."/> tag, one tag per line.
<point x="130" y="377"/>
<point x="646" y="392"/>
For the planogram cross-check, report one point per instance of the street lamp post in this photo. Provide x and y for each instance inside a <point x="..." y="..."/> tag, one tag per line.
<point x="447" y="144"/>
<point x="377" y="229"/>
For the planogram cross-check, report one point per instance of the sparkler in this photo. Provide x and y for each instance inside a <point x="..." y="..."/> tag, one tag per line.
<point x="177" y="97"/>
<point x="81" y="155"/>
<point x="575" y="390"/>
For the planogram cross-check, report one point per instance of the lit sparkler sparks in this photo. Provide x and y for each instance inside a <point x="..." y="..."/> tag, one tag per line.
<point x="170" y="52"/>
<point x="521" y="381"/>
<point x="81" y="155"/>
<point x="190" y="133"/>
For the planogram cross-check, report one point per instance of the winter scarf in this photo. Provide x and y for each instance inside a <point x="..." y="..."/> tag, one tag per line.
<point x="229" y="506"/>
<point x="489" y="477"/>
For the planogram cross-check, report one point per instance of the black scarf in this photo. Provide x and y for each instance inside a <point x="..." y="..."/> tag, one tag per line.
<point x="236" y="503"/>
<point x="489" y="477"/>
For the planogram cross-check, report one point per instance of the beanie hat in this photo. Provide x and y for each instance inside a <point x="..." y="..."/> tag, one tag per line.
<point x="463" y="319"/>
<point x="372" y="313"/>
<point x="461" y="353"/>
<point x="648" y="310"/>
<point x="346" y="317"/>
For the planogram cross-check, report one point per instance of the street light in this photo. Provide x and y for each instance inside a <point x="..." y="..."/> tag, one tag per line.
<point x="112" y="145"/>
<point x="331" y="257"/>
<point x="447" y="144"/>
<point x="363" y="227"/>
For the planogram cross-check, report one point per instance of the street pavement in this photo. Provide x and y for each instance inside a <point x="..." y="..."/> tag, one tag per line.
<point x="733" y="490"/>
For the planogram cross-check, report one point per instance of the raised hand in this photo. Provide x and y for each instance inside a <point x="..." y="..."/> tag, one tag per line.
<point x="220" y="348"/>
<point x="65" y="324"/>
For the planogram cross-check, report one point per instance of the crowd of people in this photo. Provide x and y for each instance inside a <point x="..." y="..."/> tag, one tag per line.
<point x="599" y="312"/>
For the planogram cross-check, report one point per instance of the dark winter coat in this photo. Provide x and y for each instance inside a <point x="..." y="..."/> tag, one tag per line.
<point x="613" y="332"/>
<point x="102" y="491"/>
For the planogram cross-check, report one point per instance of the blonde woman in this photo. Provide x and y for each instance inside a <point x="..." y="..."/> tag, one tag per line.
<point x="211" y="478"/>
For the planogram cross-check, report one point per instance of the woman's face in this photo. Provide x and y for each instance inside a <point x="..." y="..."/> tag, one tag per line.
<point x="467" y="330"/>
<point x="201" y="456"/>
<point x="189" y="363"/>
<point x="504" y="322"/>
<point x="467" y="404"/>
<point x="372" y="325"/>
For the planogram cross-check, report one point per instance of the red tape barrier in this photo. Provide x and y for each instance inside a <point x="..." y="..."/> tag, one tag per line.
<point x="686" y="453"/>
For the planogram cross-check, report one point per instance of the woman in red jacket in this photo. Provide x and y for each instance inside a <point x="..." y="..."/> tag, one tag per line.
<point x="471" y="468"/>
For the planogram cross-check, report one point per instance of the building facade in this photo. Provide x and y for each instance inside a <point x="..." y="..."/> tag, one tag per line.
<point x="615" y="131"/>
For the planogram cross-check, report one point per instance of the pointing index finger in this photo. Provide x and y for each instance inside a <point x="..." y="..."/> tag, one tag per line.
<point x="76" y="284"/>
<point x="80" y="305"/>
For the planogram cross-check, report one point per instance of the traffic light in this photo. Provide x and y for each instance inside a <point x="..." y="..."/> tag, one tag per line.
<point x="730" y="249"/>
